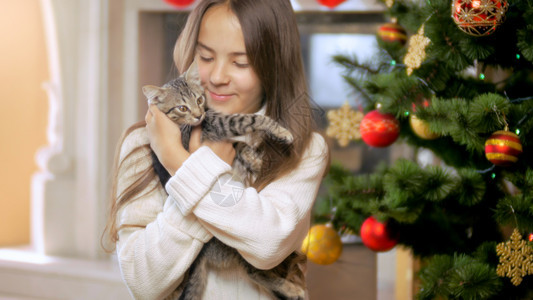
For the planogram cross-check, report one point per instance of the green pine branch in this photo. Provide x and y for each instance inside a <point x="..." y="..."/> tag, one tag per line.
<point x="458" y="277"/>
<point x="451" y="216"/>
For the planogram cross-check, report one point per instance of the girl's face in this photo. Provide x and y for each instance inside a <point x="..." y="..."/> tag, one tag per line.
<point x="231" y="85"/>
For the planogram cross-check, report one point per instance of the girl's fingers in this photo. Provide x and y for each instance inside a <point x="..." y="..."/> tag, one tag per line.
<point x="148" y="116"/>
<point x="150" y="112"/>
<point x="195" y="139"/>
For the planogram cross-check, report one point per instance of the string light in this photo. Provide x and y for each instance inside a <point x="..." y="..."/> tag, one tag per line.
<point x="393" y="62"/>
<point x="482" y="76"/>
<point x="487" y="170"/>
<point x="519" y="99"/>
<point x="406" y="113"/>
<point x="517" y="131"/>
<point x="493" y="175"/>
<point x="517" y="56"/>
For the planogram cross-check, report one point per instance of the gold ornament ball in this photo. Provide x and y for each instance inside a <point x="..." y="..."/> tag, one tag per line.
<point x="421" y="128"/>
<point x="322" y="245"/>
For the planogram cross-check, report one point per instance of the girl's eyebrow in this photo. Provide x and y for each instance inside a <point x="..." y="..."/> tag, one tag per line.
<point x="200" y="45"/>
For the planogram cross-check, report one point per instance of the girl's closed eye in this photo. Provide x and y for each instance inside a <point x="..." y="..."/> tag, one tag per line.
<point x="241" y="64"/>
<point x="206" y="58"/>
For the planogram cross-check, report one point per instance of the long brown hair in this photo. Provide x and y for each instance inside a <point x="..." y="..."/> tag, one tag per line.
<point x="272" y="44"/>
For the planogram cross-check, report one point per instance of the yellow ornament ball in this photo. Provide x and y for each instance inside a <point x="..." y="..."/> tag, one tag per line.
<point x="322" y="245"/>
<point x="421" y="128"/>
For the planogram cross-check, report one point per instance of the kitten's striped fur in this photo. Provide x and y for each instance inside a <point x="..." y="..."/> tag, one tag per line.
<point x="183" y="100"/>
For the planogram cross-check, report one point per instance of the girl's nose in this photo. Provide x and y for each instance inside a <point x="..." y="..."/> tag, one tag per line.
<point x="219" y="75"/>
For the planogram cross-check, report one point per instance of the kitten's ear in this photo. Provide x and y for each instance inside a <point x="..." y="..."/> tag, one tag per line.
<point x="192" y="74"/>
<point x="153" y="93"/>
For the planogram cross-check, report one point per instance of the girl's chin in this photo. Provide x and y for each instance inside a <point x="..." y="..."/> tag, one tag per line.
<point x="225" y="108"/>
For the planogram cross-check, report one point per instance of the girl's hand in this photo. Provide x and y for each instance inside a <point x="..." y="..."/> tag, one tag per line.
<point x="165" y="139"/>
<point x="224" y="150"/>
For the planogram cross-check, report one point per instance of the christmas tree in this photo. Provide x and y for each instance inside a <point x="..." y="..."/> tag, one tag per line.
<point x="454" y="77"/>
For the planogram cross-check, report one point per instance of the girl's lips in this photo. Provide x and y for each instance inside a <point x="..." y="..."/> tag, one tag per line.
<point x="219" y="97"/>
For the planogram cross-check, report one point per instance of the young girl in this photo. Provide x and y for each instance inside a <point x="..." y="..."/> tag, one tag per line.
<point x="249" y="60"/>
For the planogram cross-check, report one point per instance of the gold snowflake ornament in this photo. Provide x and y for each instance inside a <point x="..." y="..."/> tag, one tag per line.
<point x="344" y="124"/>
<point x="516" y="258"/>
<point x="417" y="51"/>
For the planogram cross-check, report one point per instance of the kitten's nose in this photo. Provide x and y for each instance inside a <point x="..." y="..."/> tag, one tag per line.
<point x="198" y="118"/>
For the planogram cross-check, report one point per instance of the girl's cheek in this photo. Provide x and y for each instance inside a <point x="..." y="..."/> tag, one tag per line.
<point x="202" y="69"/>
<point x="204" y="77"/>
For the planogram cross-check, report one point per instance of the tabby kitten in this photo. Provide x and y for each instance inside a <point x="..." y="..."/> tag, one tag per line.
<point x="183" y="100"/>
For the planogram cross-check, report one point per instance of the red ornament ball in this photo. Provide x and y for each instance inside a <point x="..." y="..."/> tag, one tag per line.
<point x="377" y="236"/>
<point x="379" y="130"/>
<point x="502" y="148"/>
<point x="180" y="3"/>
<point x="330" y="3"/>
<point x="392" y="32"/>
<point x="479" y="17"/>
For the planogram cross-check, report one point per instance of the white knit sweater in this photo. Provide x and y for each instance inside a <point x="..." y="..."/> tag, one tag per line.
<point x="264" y="227"/>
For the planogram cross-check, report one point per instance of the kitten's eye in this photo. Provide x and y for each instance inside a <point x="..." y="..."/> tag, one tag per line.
<point x="183" y="108"/>
<point x="200" y="100"/>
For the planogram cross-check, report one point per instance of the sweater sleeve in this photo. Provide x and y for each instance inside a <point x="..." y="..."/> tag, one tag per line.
<point x="157" y="243"/>
<point x="265" y="227"/>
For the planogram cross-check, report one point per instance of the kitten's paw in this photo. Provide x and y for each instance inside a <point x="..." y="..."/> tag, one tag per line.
<point x="291" y="291"/>
<point x="284" y="136"/>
